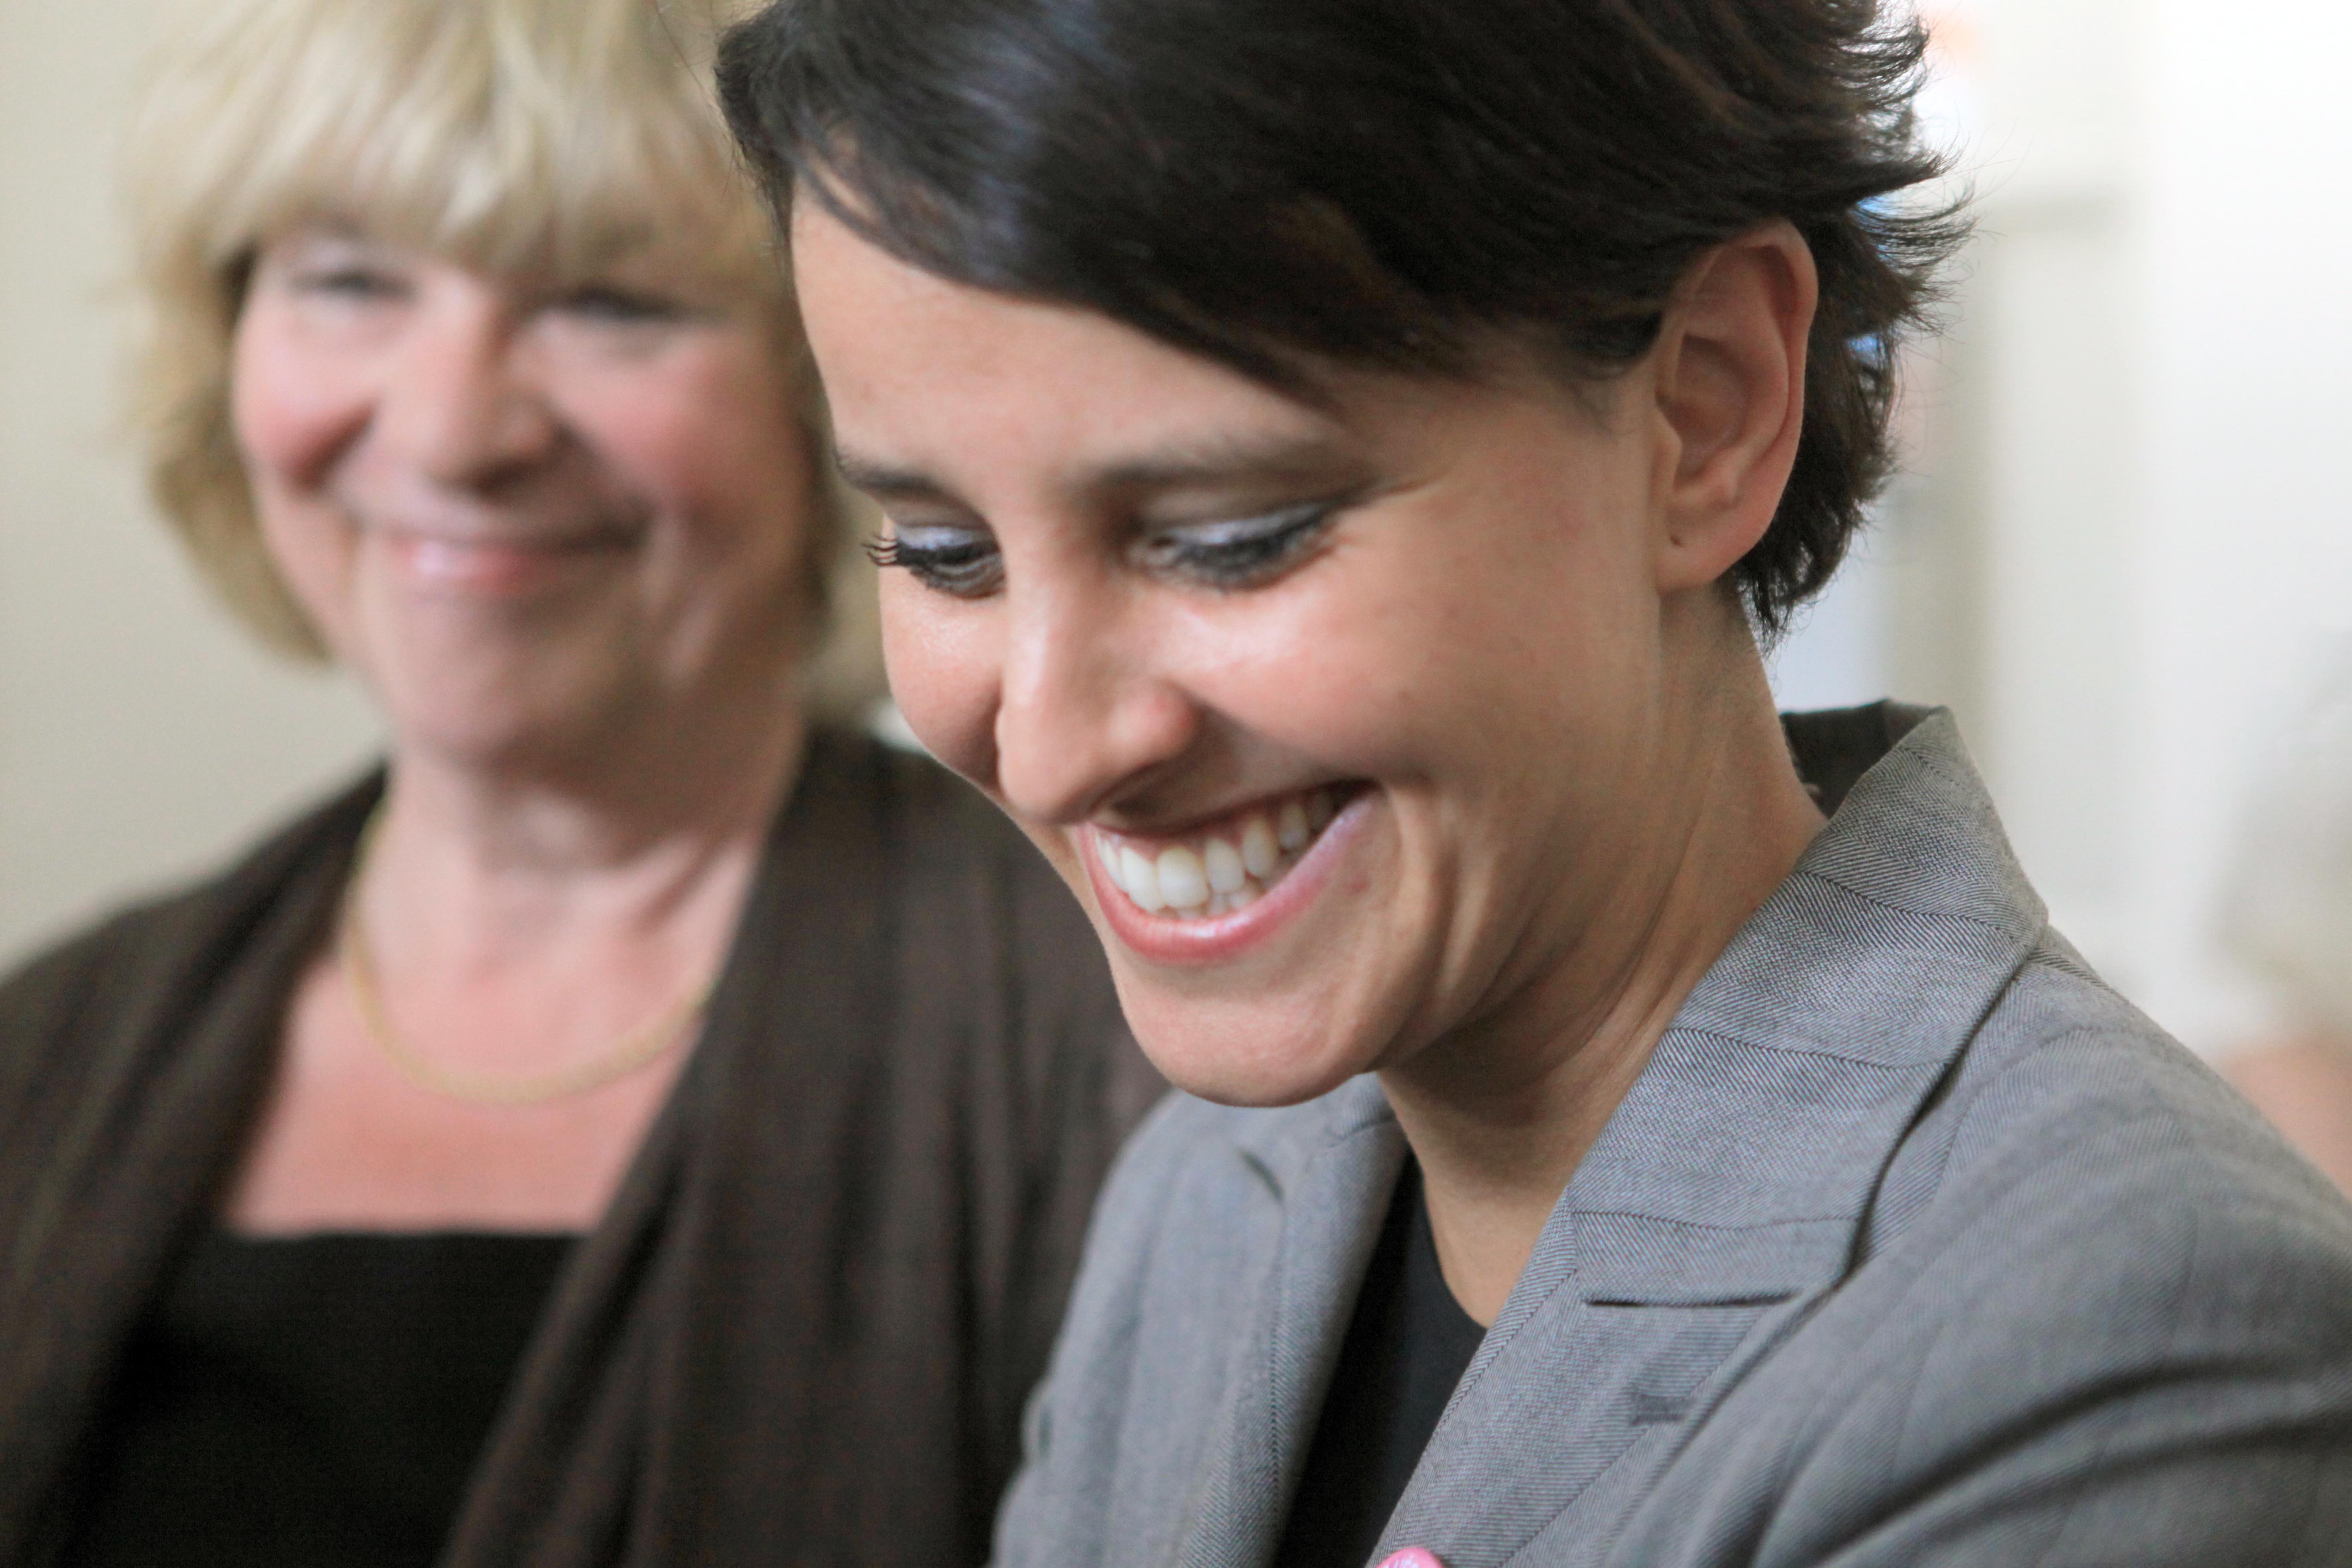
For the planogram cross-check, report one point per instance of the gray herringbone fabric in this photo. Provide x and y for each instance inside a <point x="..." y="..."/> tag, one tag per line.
<point x="1914" y="1245"/>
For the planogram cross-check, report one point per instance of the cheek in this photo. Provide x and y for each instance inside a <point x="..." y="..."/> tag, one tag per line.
<point x="291" y="408"/>
<point x="711" y="436"/>
<point x="294" y="411"/>
<point x="1484" y="624"/>
<point x="941" y="658"/>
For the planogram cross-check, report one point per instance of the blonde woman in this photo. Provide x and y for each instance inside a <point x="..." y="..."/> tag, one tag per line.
<point x="635" y="1127"/>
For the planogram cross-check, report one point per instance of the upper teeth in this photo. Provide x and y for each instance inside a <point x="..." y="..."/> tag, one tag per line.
<point x="1223" y="871"/>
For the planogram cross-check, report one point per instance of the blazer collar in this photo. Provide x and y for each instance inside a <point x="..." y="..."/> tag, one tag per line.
<point x="1731" y="1186"/>
<point x="1744" y="1158"/>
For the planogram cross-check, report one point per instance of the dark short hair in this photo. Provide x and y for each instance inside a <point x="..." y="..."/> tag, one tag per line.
<point x="1281" y="185"/>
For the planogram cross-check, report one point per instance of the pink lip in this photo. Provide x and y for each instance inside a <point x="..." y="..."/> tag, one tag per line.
<point x="1197" y="942"/>
<point x="485" y="566"/>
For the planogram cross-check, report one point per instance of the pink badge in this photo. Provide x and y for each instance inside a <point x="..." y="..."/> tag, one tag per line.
<point x="1411" y="1557"/>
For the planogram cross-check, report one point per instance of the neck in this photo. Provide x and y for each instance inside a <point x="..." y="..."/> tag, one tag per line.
<point x="480" y="867"/>
<point x="1500" y="1114"/>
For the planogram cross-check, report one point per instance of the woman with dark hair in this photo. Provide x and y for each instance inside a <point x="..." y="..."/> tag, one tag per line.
<point x="1341" y="460"/>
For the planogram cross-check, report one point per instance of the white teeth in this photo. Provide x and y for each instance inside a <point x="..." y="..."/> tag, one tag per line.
<point x="1260" y="853"/>
<point x="1141" y="881"/>
<point x="1226" y="872"/>
<point x="1182" y="882"/>
<point x="1213" y="877"/>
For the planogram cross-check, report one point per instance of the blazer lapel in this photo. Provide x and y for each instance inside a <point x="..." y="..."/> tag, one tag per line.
<point x="1730" y="1189"/>
<point x="1333" y="1183"/>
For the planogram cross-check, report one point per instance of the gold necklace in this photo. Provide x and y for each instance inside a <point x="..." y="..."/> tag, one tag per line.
<point x="640" y="1048"/>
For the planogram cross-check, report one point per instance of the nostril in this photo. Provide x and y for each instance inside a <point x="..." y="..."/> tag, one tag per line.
<point x="1067" y="745"/>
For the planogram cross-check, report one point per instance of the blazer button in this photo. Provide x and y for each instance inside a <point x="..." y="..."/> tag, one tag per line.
<point x="1411" y="1557"/>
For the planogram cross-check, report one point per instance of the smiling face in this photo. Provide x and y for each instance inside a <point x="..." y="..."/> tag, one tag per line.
<point x="531" y="518"/>
<point x="1349" y="725"/>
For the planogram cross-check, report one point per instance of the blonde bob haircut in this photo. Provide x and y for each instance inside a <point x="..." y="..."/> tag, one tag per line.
<point x="538" y="137"/>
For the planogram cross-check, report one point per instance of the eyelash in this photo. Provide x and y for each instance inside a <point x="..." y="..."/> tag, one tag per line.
<point x="965" y="571"/>
<point x="348" y="283"/>
<point x="620" y="307"/>
<point x="1252" y="552"/>
<point x="1243" y="561"/>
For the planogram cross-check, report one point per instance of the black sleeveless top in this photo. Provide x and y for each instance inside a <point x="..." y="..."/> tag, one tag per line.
<point x="320" y="1401"/>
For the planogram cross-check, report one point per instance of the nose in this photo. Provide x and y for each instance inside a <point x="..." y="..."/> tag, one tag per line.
<point x="462" y="404"/>
<point x="1085" y="715"/>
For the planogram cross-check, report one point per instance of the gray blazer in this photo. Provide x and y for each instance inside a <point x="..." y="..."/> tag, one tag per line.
<point x="1913" y="1245"/>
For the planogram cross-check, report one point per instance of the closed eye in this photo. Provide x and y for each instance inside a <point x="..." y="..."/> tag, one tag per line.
<point x="353" y="282"/>
<point x="956" y="559"/>
<point x="620" y="307"/>
<point x="1231" y="555"/>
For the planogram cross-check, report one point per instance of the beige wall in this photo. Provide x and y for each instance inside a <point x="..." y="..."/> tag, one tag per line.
<point x="141" y="737"/>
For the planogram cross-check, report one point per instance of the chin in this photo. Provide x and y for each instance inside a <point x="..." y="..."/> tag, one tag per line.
<point x="491" y="738"/>
<point x="1251" y="1063"/>
<point x="494" y="707"/>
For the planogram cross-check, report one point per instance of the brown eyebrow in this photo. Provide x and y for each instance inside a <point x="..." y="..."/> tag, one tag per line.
<point x="884" y="482"/>
<point x="1289" y="456"/>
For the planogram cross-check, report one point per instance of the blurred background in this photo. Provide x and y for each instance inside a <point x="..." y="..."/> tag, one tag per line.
<point x="2119" y="550"/>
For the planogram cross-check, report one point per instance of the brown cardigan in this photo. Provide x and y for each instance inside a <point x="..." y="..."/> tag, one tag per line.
<point x="804" y="1333"/>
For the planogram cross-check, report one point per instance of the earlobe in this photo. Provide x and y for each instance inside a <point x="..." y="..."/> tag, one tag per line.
<point x="1730" y="388"/>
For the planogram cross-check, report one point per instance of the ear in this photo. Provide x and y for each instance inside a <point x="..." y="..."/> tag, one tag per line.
<point x="1729" y="379"/>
